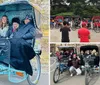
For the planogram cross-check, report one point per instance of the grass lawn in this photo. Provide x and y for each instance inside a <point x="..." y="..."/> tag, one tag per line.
<point x="65" y="14"/>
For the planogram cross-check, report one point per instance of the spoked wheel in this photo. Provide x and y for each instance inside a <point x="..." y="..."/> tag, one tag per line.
<point x="52" y="27"/>
<point x="74" y="28"/>
<point x="60" y="26"/>
<point x="86" y="78"/>
<point x="36" y="66"/>
<point x="89" y="28"/>
<point x="56" y="75"/>
<point x="97" y="29"/>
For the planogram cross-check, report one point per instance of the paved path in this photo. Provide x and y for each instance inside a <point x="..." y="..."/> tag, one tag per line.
<point x="66" y="79"/>
<point x="55" y="36"/>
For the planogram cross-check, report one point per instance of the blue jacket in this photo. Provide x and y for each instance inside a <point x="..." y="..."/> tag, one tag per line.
<point x="27" y="32"/>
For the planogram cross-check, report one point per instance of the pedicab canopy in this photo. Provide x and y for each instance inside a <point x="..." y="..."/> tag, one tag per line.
<point x="96" y="17"/>
<point x="66" y="48"/>
<point x="20" y="8"/>
<point x="89" y="47"/>
<point x="59" y="17"/>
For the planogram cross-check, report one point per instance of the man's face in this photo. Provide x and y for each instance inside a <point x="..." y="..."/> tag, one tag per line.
<point x="26" y="21"/>
<point x="87" y="52"/>
<point x="15" y="25"/>
<point x="4" y="20"/>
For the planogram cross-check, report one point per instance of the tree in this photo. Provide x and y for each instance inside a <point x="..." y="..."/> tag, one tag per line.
<point x="94" y="1"/>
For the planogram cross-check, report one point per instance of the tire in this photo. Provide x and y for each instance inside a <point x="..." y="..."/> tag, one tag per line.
<point x="89" y="28"/>
<point x="60" y="26"/>
<point x="54" y="75"/>
<point x="97" y="30"/>
<point x="35" y="79"/>
<point x="74" y="28"/>
<point x="51" y="27"/>
<point x="56" y="26"/>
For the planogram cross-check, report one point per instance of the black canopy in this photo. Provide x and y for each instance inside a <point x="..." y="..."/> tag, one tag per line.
<point x="89" y="47"/>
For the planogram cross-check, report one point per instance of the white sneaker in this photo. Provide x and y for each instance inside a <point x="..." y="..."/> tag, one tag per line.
<point x="71" y="75"/>
<point x="77" y="74"/>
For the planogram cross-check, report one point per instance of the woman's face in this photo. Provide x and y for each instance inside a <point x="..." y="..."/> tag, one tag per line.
<point x="4" y="20"/>
<point x="15" y="25"/>
<point x="26" y="21"/>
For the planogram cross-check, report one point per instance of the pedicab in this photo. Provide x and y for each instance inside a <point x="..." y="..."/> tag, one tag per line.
<point x="59" y="21"/>
<point x="62" y="63"/>
<point x="88" y="21"/>
<point x="20" y="8"/>
<point x="52" y="22"/>
<point x="96" y="24"/>
<point x="76" y="20"/>
<point x="90" y="71"/>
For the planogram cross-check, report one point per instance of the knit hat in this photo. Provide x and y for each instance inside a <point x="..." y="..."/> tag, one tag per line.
<point x="16" y="20"/>
<point x="28" y="17"/>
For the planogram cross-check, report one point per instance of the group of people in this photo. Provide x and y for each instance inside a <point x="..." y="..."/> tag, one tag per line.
<point x="76" y="62"/>
<point x="83" y="32"/>
<point x="75" y="22"/>
<point x="20" y="37"/>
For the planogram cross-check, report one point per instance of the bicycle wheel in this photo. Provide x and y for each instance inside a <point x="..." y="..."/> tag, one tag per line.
<point x="36" y="66"/>
<point x="97" y="30"/>
<point x="56" y="75"/>
<point x="73" y="28"/>
<point x="86" y="78"/>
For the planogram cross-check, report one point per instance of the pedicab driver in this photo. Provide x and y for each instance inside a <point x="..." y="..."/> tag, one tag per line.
<point x="21" y="40"/>
<point x="84" y="33"/>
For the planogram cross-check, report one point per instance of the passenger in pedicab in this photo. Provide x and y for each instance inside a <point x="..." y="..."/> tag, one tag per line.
<point x="81" y="56"/>
<point x="59" y="55"/>
<point x="89" y="23"/>
<point x="67" y="53"/>
<point x="97" y="23"/>
<point x="87" y="52"/>
<point x="82" y="62"/>
<point x="74" y="65"/>
<point x="71" y="53"/>
<point x="94" y="54"/>
<point x="21" y="41"/>
<point x="96" y="60"/>
<point x="4" y="26"/>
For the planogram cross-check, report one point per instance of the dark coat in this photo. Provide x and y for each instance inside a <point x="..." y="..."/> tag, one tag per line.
<point x="27" y="32"/>
<point x="21" y="50"/>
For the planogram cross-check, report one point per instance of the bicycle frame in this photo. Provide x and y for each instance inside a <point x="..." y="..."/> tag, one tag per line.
<point x="6" y="69"/>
